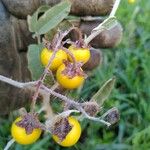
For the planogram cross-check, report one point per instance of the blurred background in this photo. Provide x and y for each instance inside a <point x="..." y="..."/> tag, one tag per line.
<point x="130" y="63"/>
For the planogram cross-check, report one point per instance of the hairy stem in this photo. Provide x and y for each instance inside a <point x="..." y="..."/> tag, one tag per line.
<point x="16" y="83"/>
<point x="44" y="90"/>
<point x="99" y="28"/>
<point x="40" y="82"/>
<point x="77" y="105"/>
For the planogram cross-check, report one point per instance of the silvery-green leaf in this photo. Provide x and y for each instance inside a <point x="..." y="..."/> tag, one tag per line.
<point x="104" y="92"/>
<point x="34" y="63"/>
<point x="52" y="17"/>
<point x="107" y="24"/>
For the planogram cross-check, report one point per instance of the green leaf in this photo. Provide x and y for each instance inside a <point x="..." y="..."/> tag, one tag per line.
<point x="107" y="24"/>
<point x="34" y="63"/>
<point x="32" y="20"/>
<point x="50" y="19"/>
<point x="110" y="23"/>
<point x="104" y="92"/>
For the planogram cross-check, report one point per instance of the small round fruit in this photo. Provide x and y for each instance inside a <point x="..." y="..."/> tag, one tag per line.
<point x="57" y="61"/>
<point x="131" y="1"/>
<point x="65" y="81"/>
<point x="20" y="136"/>
<point x="73" y="135"/>
<point x="80" y="54"/>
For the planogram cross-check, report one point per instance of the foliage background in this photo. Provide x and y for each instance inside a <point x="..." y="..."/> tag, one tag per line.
<point x="129" y="62"/>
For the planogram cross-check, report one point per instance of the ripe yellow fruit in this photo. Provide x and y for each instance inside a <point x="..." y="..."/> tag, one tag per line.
<point x="65" y="81"/>
<point x="80" y="54"/>
<point x="73" y="136"/>
<point x="20" y="136"/>
<point x="131" y="1"/>
<point x="57" y="61"/>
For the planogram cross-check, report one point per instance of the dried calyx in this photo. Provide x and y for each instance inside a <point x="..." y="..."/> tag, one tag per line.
<point x="112" y="115"/>
<point x="91" y="108"/>
<point x="72" y="70"/>
<point x="57" y="41"/>
<point x="61" y="128"/>
<point x="79" y="43"/>
<point x="30" y="122"/>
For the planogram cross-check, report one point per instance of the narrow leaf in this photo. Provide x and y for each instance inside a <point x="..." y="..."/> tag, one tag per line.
<point x="107" y="24"/>
<point x="52" y="17"/>
<point x="110" y="23"/>
<point x="34" y="63"/>
<point x="104" y="92"/>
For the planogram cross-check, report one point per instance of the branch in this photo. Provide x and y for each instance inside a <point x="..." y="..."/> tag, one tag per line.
<point x="77" y="105"/>
<point x="100" y="28"/>
<point x="94" y="118"/>
<point x="44" y="90"/>
<point x="62" y="97"/>
<point x="17" y="83"/>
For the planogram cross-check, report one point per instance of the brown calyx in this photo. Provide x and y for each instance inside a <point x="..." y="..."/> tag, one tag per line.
<point x="112" y="116"/>
<point x="30" y="122"/>
<point x="91" y="108"/>
<point x="71" y="70"/>
<point x="61" y="128"/>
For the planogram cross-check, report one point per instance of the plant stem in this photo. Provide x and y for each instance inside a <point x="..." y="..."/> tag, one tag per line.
<point x="40" y="82"/>
<point x="38" y="38"/>
<point x="100" y="28"/>
<point x="43" y="89"/>
<point x="16" y="83"/>
<point x="9" y="144"/>
<point x="115" y="7"/>
<point x="77" y="105"/>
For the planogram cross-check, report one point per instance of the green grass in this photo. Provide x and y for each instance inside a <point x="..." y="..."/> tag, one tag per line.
<point x="130" y="63"/>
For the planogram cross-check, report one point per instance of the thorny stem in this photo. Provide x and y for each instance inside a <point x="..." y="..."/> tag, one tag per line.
<point x="77" y="105"/>
<point x="94" y="118"/>
<point x="16" y="83"/>
<point x="99" y="28"/>
<point x="62" y="97"/>
<point x="44" y="89"/>
<point x="46" y="106"/>
<point x="40" y="82"/>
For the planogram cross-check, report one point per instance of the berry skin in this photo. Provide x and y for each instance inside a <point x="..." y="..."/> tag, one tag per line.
<point x="57" y="61"/>
<point x="65" y="81"/>
<point x="80" y="54"/>
<point x="131" y="1"/>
